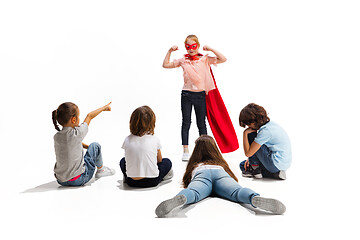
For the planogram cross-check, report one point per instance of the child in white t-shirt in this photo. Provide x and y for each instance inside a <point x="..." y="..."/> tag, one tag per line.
<point x="143" y="165"/>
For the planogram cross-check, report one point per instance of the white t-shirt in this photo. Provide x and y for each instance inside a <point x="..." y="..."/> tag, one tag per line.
<point x="141" y="156"/>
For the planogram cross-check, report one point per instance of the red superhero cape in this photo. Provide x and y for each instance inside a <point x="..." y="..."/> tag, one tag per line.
<point x="220" y="122"/>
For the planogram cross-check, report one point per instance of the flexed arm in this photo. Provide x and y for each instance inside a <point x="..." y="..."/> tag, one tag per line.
<point x="220" y="57"/>
<point x="167" y="63"/>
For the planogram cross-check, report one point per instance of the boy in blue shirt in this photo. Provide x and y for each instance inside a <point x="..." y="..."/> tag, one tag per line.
<point x="265" y="143"/>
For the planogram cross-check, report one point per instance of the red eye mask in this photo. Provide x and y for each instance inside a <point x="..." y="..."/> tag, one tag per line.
<point x="192" y="46"/>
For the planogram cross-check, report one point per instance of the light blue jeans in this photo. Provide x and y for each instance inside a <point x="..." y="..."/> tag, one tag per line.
<point x="219" y="183"/>
<point x="92" y="159"/>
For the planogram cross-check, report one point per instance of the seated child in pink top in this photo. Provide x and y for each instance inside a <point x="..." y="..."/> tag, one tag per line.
<point x="197" y="81"/>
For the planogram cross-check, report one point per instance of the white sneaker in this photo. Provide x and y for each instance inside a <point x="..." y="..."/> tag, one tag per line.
<point x="268" y="204"/>
<point x="104" y="171"/>
<point x="186" y="156"/>
<point x="169" y="175"/>
<point x="167" y="206"/>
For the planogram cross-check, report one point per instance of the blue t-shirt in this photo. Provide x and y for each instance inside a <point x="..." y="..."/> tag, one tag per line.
<point x="277" y="140"/>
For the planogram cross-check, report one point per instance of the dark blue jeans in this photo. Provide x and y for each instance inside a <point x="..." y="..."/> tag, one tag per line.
<point x="164" y="167"/>
<point x="188" y="100"/>
<point x="262" y="158"/>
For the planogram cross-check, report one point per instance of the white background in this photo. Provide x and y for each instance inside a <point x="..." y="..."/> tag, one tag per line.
<point x="298" y="59"/>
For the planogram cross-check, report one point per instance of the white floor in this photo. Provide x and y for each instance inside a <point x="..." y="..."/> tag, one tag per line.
<point x="300" y="60"/>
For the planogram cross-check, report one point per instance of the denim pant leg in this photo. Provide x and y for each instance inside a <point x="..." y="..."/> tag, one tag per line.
<point x="84" y="178"/>
<point x="78" y="182"/>
<point x="264" y="156"/>
<point x="92" y="159"/>
<point x="199" y="188"/>
<point x="93" y="154"/>
<point x="226" y="187"/>
<point x="186" y="109"/>
<point x="199" y="102"/>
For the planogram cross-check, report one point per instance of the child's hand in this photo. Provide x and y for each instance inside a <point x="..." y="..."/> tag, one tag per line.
<point x="249" y="130"/>
<point x="173" y="48"/>
<point x="107" y="107"/>
<point x="246" y="165"/>
<point x="207" y="48"/>
<point x="96" y="112"/>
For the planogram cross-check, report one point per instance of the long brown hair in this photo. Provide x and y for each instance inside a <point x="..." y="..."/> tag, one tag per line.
<point x="253" y="113"/>
<point x="207" y="152"/>
<point x="142" y="121"/>
<point x="63" y="114"/>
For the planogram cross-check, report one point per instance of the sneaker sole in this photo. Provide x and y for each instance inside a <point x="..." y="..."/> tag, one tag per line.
<point x="269" y="204"/>
<point x="169" y="175"/>
<point x="246" y="175"/>
<point x="282" y="175"/>
<point x="257" y="176"/>
<point x="167" y="206"/>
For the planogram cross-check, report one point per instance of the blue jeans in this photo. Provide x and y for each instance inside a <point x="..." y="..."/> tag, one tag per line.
<point x="92" y="159"/>
<point x="164" y="167"/>
<point x="262" y="157"/>
<point x="198" y="100"/>
<point x="219" y="183"/>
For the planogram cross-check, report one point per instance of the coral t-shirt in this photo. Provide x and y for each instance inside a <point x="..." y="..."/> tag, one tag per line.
<point x="197" y="76"/>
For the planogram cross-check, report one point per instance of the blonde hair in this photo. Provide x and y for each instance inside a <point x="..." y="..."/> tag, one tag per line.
<point x="194" y="38"/>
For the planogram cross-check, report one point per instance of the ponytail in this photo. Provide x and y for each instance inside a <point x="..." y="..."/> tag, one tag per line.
<point x="54" y="118"/>
<point x="63" y="114"/>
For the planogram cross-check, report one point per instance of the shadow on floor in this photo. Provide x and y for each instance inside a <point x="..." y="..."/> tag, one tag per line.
<point x="180" y="212"/>
<point x="53" y="185"/>
<point x="124" y="186"/>
<point x="256" y="211"/>
<point x="265" y="180"/>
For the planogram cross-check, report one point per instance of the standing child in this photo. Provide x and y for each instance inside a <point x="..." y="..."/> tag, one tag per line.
<point x="144" y="165"/>
<point x="72" y="167"/>
<point x="265" y="143"/>
<point x="208" y="173"/>
<point x="197" y="82"/>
